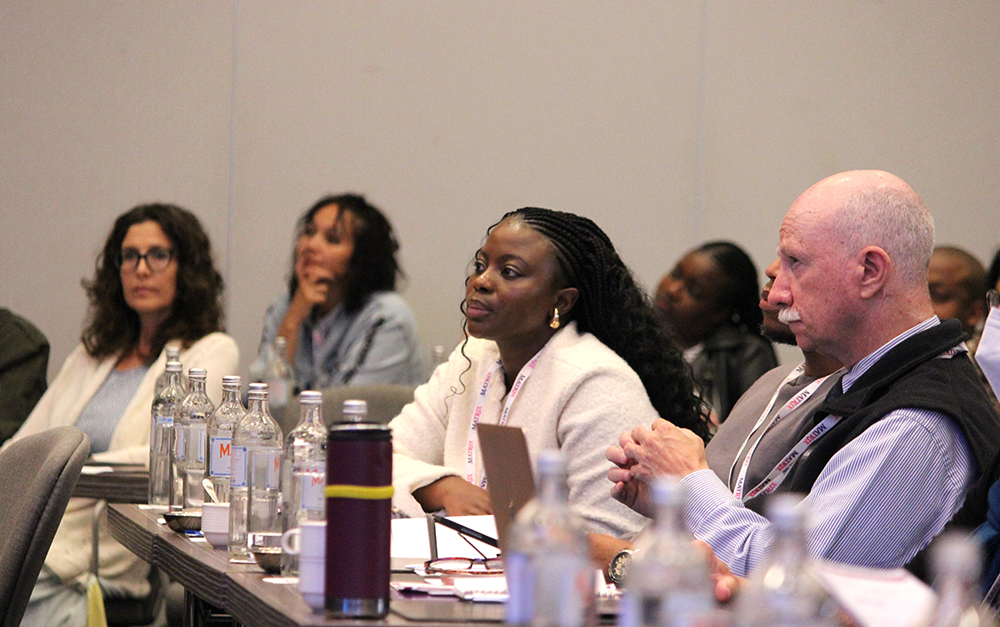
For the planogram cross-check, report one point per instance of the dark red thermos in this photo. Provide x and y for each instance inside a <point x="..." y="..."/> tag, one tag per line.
<point x="358" y="515"/>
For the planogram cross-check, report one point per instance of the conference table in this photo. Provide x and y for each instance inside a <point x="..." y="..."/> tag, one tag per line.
<point x="251" y="597"/>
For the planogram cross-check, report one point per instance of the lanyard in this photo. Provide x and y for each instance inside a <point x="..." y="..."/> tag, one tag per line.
<point x="781" y="470"/>
<point x="778" y="474"/>
<point x="477" y="413"/>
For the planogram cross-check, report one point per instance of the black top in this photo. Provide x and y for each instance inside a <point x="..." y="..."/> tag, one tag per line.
<point x="911" y="376"/>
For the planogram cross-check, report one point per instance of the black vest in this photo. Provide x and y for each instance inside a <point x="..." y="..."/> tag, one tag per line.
<point x="910" y="376"/>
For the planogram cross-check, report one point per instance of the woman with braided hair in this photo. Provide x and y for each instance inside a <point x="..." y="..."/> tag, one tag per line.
<point x="561" y="342"/>
<point x="710" y="303"/>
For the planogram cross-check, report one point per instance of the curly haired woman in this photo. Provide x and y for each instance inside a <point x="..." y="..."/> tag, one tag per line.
<point x="549" y="304"/>
<point x="154" y="284"/>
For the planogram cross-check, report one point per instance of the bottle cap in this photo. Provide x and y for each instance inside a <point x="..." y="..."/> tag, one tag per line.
<point x="550" y="462"/>
<point x="311" y="397"/>
<point x="199" y="374"/>
<point x="173" y="353"/>
<point x="784" y="512"/>
<point x="231" y="380"/>
<point x="667" y="491"/>
<point x="355" y="410"/>
<point x="257" y="391"/>
<point x="956" y="555"/>
<point x="174" y="366"/>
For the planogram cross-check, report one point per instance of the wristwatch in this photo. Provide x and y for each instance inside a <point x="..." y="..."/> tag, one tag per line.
<point x="618" y="568"/>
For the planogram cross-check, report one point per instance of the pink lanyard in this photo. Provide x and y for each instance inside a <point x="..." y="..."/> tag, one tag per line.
<point x="477" y="413"/>
<point x="778" y="474"/>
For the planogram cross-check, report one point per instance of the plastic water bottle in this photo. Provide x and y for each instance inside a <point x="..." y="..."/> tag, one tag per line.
<point x="786" y="593"/>
<point x="278" y="376"/>
<point x="173" y="354"/>
<point x="255" y="475"/>
<point x="956" y="560"/>
<point x="304" y="476"/>
<point x="549" y="576"/>
<point x="220" y="435"/>
<point x="668" y="582"/>
<point x="190" y="439"/>
<point x="165" y="410"/>
<point x="439" y="355"/>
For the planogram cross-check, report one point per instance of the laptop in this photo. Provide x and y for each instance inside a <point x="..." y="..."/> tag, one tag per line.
<point x="510" y="481"/>
<point x="511" y="484"/>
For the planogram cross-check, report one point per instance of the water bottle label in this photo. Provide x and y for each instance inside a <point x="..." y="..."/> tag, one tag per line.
<point x="180" y="438"/>
<point x="238" y="467"/>
<point x="520" y="588"/>
<point x="313" y="485"/>
<point x="197" y="442"/>
<point x="164" y="420"/>
<point x="273" y="478"/>
<point x="687" y="609"/>
<point x="564" y="586"/>
<point x="219" y="457"/>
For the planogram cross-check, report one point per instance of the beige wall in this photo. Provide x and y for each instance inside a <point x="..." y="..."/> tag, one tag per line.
<point x="669" y="123"/>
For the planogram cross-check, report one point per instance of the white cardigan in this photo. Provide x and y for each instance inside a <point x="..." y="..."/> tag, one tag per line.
<point x="579" y="399"/>
<point x="78" y="380"/>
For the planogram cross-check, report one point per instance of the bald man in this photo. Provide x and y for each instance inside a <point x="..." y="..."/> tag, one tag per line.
<point x="887" y="459"/>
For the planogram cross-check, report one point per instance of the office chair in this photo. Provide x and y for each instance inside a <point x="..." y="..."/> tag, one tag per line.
<point x="37" y="477"/>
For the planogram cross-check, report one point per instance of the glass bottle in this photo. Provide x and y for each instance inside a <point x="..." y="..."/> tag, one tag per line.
<point x="220" y="435"/>
<point x="305" y="470"/>
<point x="668" y="582"/>
<point x="956" y="560"/>
<point x="190" y="439"/>
<point x="173" y="354"/>
<point x="785" y="593"/>
<point x="163" y="413"/>
<point x="255" y="472"/>
<point x="549" y="576"/>
<point x="278" y="376"/>
<point x="439" y="355"/>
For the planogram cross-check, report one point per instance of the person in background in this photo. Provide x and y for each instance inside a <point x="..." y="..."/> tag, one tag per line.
<point x="770" y="396"/>
<point x="342" y="321"/>
<point x="993" y="274"/>
<point x="709" y="301"/>
<point x="891" y="454"/>
<point x="560" y="341"/>
<point x="958" y="287"/>
<point x="154" y="284"/>
<point x="24" y="361"/>
<point x="957" y="281"/>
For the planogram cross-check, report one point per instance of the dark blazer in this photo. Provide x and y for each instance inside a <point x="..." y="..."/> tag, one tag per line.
<point x="729" y="363"/>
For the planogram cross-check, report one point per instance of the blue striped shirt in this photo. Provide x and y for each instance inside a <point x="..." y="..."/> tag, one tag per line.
<point x="878" y="501"/>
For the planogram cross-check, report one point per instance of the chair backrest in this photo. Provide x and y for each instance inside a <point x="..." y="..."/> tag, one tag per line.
<point x="385" y="400"/>
<point x="37" y="477"/>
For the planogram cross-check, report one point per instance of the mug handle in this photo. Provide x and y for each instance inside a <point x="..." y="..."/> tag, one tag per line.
<point x="286" y="541"/>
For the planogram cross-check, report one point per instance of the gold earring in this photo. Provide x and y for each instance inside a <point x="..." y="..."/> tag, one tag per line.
<point x="555" y="319"/>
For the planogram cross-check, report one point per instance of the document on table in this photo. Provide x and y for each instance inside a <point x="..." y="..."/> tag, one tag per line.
<point x="409" y="538"/>
<point x="878" y="597"/>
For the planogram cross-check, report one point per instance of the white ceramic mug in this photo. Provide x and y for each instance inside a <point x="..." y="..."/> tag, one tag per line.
<point x="309" y="540"/>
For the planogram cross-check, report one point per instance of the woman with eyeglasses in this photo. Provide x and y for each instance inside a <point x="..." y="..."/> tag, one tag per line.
<point x="154" y="284"/>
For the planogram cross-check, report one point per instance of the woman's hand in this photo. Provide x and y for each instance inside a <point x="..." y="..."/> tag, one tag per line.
<point x="456" y="496"/>
<point x="313" y="289"/>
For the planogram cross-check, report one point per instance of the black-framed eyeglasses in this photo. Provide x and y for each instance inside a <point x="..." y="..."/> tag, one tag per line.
<point x="464" y="566"/>
<point x="157" y="259"/>
<point x="481" y="565"/>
